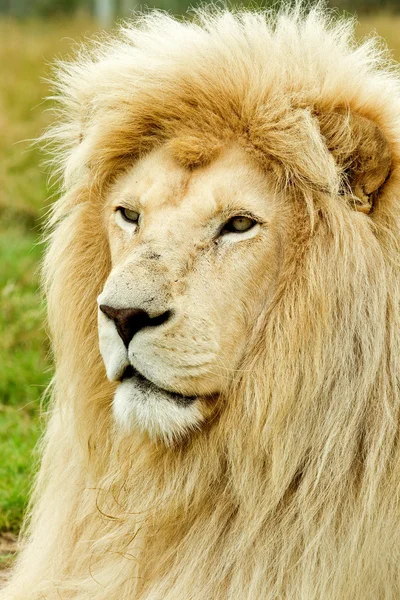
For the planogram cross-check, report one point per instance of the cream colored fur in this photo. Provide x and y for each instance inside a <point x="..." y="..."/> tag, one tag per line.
<point x="178" y="258"/>
<point x="289" y="486"/>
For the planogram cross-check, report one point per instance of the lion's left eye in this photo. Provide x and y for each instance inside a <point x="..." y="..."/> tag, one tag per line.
<point x="238" y="225"/>
<point x="132" y="216"/>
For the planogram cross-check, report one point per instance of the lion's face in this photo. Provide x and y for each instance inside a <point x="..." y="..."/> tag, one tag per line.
<point x="194" y="260"/>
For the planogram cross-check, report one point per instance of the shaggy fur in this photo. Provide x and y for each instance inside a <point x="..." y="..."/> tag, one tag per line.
<point x="291" y="490"/>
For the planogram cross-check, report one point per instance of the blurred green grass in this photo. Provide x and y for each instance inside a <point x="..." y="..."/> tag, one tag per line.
<point x="26" y="48"/>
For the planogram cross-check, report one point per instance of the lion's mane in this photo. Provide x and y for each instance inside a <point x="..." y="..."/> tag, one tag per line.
<point x="292" y="489"/>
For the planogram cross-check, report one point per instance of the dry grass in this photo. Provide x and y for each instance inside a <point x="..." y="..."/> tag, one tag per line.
<point x="386" y="26"/>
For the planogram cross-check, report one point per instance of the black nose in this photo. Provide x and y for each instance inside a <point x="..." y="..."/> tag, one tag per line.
<point x="129" y="321"/>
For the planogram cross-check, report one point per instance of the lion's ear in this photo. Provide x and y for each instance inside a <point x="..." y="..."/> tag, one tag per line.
<point x="363" y="154"/>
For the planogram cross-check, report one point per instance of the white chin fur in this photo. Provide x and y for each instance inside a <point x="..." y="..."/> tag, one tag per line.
<point x="154" y="413"/>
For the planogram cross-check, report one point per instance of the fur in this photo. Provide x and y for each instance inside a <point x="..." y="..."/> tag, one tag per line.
<point x="291" y="490"/>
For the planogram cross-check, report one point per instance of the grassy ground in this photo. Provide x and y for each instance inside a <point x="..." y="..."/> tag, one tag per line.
<point x="25" y="367"/>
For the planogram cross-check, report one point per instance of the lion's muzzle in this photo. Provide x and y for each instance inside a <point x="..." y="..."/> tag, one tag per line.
<point x="129" y="321"/>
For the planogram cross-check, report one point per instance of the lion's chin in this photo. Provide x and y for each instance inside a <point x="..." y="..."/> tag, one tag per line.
<point x="165" y="416"/>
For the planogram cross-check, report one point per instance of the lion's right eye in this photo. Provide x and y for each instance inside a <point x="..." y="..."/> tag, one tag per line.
<point x="238" y="225"/>
<point x="132" y="216"/>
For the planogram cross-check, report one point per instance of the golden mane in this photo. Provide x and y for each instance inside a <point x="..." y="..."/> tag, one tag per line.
<point x="292" y="490"/>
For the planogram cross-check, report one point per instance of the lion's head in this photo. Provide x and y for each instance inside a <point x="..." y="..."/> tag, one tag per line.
<point x="195" y="255"/>
<point x="229" y="230"/>
<point x="197" y="252"/>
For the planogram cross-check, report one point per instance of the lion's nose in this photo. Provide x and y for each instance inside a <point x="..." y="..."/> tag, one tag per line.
<point x="129" y="321"/>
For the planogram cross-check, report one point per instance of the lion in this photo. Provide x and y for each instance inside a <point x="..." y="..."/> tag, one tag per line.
<point x="223" y="290"/>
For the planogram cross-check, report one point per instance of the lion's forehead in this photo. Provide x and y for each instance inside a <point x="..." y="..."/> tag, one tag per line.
<point x="163" y="190"/>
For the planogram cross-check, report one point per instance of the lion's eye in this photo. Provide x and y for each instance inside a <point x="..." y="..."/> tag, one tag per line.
<point x="132" y="216"/>
<point x="238" y="225"/>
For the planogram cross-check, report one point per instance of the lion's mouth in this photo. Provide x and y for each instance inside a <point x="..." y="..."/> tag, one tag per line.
<point x="148" y="386"/>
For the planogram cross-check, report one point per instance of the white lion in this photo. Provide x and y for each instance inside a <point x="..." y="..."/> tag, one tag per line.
<point x="229" y="225"/>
